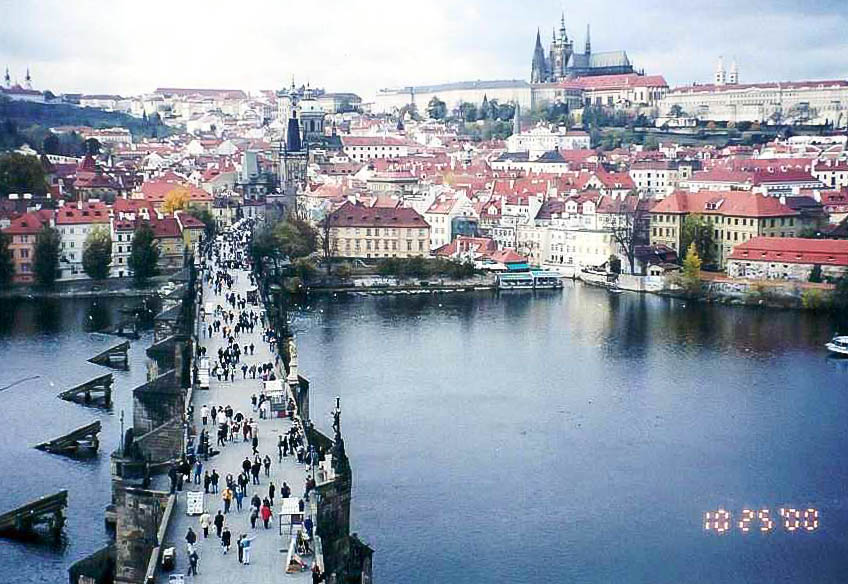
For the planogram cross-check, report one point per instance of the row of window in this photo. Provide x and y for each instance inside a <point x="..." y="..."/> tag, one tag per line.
<point x="387" y="244"/>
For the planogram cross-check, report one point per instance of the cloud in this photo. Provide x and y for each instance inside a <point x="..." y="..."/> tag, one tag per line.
<point x="131" y="48"/>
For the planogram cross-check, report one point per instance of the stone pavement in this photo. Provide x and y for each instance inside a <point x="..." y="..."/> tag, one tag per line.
<point x="268" y="549"/>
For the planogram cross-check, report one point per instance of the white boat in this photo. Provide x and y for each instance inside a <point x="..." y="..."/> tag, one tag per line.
<point x="838" y="345"/>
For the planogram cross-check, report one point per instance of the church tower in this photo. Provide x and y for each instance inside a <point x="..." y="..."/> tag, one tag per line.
<point x="7" y="80"/>
<point x="516" y="120"/>
<point x="293" y="162"/>
<point x="538" y="73"/>
<point x="588" y="41"/>
<point x="720" y="73"/>
<point x="28" y="80"/>
<point x="566" y="50"/>
<point x="733" y="76"/>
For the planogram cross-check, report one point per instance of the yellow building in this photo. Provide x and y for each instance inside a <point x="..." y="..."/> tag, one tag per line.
<point x="736" y="217"/>
<point x="357" y="231"/>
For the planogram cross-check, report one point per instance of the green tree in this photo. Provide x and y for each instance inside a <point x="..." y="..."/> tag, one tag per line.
<point x="676" y="111"/>
<point x="97" y="254"/>
<point x="144" y="253"/>
<point x="468" y="112"/>
<point x="651" y="143"/>
<point x="816" y="274"/>
<point x="92" y="146"/>
<point x="699" y="230"/>
<point x="7" y="265"/>
<point x="436" y="109"/>
<point x="506" y="111"/>
<point x="51" y="144"/>
<point x="45" y="264"/>
<point x="614" y="264"/>
<point x="840" y="295"/>
<point x="21" y="174"/>
<point x="691" y="277"/>
<point x="202" y="214"/>
<point x="295" y="238"/>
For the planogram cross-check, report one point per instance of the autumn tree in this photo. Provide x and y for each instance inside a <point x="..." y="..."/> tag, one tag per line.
<point x="690" y="279"/>
<point x="699" y="230"/>
<point x="144" y="253"/>
<point x="45" y="264"/>
<point x="97" y="254"/>
<point x="176" y="199"/>
<point x="329" y="244"/>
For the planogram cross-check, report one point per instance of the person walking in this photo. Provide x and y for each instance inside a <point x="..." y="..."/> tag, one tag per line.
<point x="207" y="480"/>
<point x="240" y="548"/>
<point x="266" y="462"/>
<point x="239" y="496"/>
<point x="254" y="470"/>
<point x="272" y="489"/>
<point x="190" y="537"/>
<point x="214" y="477"/>
<point x="198" y="469"/>
<point x="226" y="538"/>
<point x="205" y="521"/>
<point x="285" y="490"/>
<point x="192" y="562"/>
<point x="245" y="544"/>
<point x="204" y="414"/>
<point x="265" y="513"/>
<point x="254" y="515"/>
<point x="219" y="523"/>
<point x="227" y="497"/>
<point x="255" y="444"/>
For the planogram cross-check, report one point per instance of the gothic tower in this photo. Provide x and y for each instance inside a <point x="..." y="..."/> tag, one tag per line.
<point x="588" y="41"/>
<point x="566" y="50"/>
<point x="538" y="73"/>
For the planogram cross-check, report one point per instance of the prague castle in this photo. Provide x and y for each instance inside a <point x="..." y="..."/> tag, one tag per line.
<point x="563" y="62"/>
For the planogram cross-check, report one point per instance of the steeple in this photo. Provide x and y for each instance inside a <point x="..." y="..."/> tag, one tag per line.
<point x="28" y="81"/>
<point x="588" y="41"/>
<point x="538" y="70"/>
<point x="516" y="120"/>
<point x="733" y="76"/>
<point x="7" y="80"/>
<point x="562" y="35"/>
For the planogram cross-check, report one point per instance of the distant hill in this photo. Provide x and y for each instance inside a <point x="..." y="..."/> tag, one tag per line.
<point x="28" y="122"/>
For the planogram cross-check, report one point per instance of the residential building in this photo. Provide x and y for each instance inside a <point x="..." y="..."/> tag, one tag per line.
<point x="75" y="223"/>
<point x="736" y="217"/>
<point x="357" y="231"/>
<point x="541" y="139"/>
<point x="364" y="148"/>
<point x="22" y="232"/>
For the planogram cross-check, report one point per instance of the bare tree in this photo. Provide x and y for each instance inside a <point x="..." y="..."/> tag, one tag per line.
<point x="329" y="244"/>
<point x="629" y="226"/>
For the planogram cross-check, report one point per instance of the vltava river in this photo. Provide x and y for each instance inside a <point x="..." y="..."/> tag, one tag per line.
<point x="576" y="436"/>
<point x="567" y="436"/>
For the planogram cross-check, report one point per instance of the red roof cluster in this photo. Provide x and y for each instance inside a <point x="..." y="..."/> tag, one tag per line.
<point x="793" y="250"/>
<point x="726" y="203"/>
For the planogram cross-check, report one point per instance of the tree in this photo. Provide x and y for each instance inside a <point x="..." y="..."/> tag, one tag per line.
<point x="506" y="111"/>
<point x="45" y="264"/>
<point x="816" y="274"/>
<point x="7" y="265"/>
<point x="690" y="279"/>
<point x="840" y="295"/>
<point x="698" y="230"/>
<point x="203" y="215"/>
<point x="651" y="143"/>
<point x="97" y="254"/>
<point x="614" y="264"/>
<point x="144" y="253"/>
<point x="468" y="112"/>
<point x="629" y="226"/>
<point x="329" y="244"/>
<point x="676" y="111"/>
<point x="21" y="174"/>
<point x="176" y="199"/>
<point x="436" y="109"/>
<point x="51" y="144"/>
<point x="295" y="238"/>
<point x="92" y="146"/>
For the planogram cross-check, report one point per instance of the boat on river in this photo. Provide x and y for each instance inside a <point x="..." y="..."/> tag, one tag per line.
<point x="838" y="345"/>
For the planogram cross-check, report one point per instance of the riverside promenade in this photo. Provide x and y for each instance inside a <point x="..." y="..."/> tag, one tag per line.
<point x="268" y="549"/>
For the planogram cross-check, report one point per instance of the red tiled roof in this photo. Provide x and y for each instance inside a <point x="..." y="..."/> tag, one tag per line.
<point x="91" y="213"/>
<point x="27" y="224"/>
<point x="623" y="81"/>
<point x="793" y="250"/>
<point x="727" y="203"/>
<point x="350" y="215"/>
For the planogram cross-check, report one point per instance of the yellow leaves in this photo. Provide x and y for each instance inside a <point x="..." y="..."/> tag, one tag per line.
<point x="177" y="199"/>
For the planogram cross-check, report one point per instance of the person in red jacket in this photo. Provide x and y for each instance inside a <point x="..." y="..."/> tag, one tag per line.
<point x="265" y="513"/>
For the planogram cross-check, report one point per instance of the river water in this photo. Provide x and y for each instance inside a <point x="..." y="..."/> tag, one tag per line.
<point x="565" y="436"/>
<point x="52" y="339"/>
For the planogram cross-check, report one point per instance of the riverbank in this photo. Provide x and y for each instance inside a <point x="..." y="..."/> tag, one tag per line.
<point x="112" y="287"/>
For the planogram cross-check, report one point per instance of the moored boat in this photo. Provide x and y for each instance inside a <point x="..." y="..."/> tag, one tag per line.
<point x="838" y="345"/>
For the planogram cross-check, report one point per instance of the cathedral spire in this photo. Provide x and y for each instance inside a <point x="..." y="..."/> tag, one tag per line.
<point x="562" y="35"/>
<point x="28" y="81"/>
<point x="588" y="41"/>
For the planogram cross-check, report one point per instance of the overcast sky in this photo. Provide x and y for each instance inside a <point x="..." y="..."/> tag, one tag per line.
<point x="361" y="45"/>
